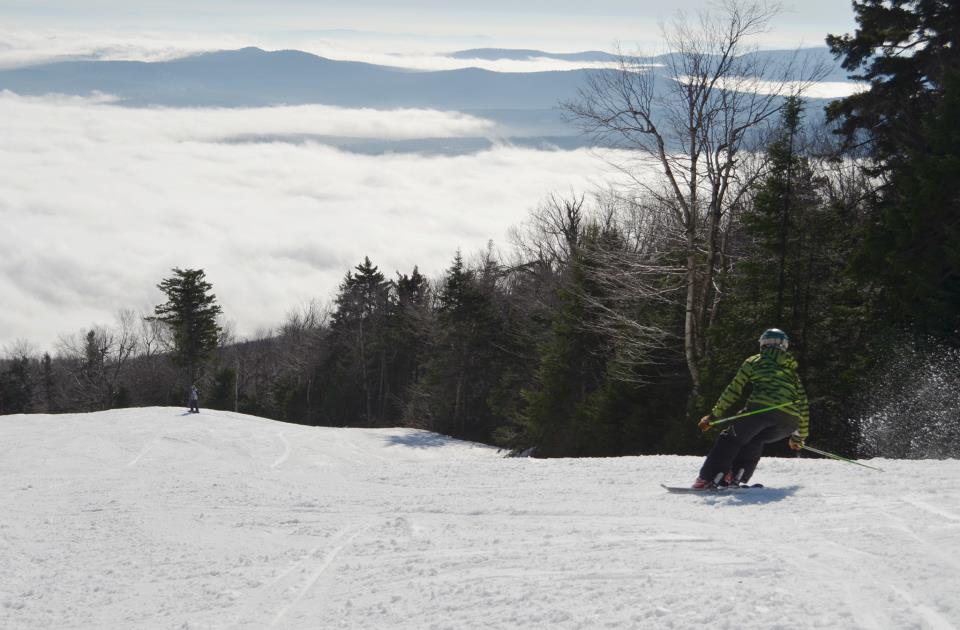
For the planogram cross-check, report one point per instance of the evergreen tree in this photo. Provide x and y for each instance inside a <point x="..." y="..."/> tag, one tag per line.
<point x="93" y="372"/>
<point x="407" y="336"/>
<point x="355" y="377"/>
<point x="466" y="357"/>
<point x="571" y="369"/>
<point x="909" y="51"/>
<point x="191" y="313"/>
<point x="465" y="316"/>
<point x="575" y="406"/>
<point x="16" y="386"/>
<point x="792" y="270"/>
<point x="783" y="238"/>
<point x="48" y="382"/>
<point x="780" y="217"/>
<point x="223" y="390"/>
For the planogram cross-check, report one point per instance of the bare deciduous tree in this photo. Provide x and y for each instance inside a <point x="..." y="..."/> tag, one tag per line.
<point x="96" y="361"/>
<point x="633" y="278"/>
<point x="300" y="344"/>
<point x="692" y="122"/>
<point x="552" y="231"/>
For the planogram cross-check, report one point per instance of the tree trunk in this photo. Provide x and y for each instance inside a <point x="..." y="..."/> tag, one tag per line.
<point x="690" y="323"/>
<point x="363" y="371"/>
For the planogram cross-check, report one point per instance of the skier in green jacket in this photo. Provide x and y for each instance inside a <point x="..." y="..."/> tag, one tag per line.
<point x="772" y="378"/>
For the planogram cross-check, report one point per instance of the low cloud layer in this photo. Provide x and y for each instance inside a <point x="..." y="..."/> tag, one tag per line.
<point x="29" y="47"/>
<point x="95" y="119"/>
<point x="431" y="25"/>
<point x="100" y="202"/>
<point x="435" y="62"/>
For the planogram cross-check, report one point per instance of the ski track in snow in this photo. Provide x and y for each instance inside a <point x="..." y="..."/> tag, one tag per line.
<point x="932" y="618"/>
<point x="144" y="518"/>
<point x="930" y="508"/>
<point x="146" y="449"/>
<point x="315" y="576"/>
<point x="286" y="451"/>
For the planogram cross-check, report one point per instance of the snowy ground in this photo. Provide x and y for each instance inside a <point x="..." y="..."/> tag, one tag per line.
<point x="150" y="519"/>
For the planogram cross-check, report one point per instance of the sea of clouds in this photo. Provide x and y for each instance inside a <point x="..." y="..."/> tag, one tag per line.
<point x="30" y="46"/>
<point x="101" y="201"/>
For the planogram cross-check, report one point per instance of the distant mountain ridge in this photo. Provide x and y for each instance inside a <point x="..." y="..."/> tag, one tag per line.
<point x="808" y="56"/>
<point x="253" y="77"/>
<point x="522" y="104"/>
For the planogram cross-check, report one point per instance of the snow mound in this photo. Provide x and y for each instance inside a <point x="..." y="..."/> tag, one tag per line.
<point x="151" y="518"/>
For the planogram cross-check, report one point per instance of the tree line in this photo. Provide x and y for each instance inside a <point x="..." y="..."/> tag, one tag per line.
<point x="612" y="319"/>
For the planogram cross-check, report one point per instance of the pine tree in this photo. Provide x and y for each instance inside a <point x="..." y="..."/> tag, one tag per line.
<point x="407" y="337"/>
<point x="570" y="371"/>
<point x="48" y="382"/>
<point x="783" y="248"/>
<point x="191" y="313"/>
<point x="16" y="386"/>
<point x="223" y="390"/>
<point x="792" y="270"/>
<point x="464" y="316"/>
<point x="356" y="375"/>
<point x="466" y="360"/>
<point x="909" y="51"/>
<point x="565" y="413"/>
<point x="96" y="388"/>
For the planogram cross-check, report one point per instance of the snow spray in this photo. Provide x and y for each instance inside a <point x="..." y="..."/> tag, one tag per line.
<point x="914" y="404"/>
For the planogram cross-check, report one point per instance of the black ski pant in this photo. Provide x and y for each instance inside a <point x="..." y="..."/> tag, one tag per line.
<point x="740" y="445"/>
<point x="194" y="406"/>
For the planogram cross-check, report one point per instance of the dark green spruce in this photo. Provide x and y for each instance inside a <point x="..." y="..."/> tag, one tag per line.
<point x="190" y="315"/>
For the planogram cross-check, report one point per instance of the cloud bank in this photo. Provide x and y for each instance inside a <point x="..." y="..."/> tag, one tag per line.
<point x="99" y="202"/>
<point x="22" y="47"/>
<point x="27" y="45"/>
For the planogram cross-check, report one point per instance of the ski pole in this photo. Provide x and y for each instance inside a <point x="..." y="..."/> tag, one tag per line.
<point x="714" y="423"/>
<point x="837" y="457"/>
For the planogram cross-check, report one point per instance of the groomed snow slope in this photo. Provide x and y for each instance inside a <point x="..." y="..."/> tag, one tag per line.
<point x="147" y="518"/>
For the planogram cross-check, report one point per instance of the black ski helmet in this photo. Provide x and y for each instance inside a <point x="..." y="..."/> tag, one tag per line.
<point x="774" y="337"/>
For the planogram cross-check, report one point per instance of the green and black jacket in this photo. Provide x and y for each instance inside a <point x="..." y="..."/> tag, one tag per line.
<point x="772" y="376"/>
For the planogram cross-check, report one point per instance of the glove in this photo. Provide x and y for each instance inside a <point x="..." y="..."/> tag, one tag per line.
<point x="796" y="442"/>
<point x="705" y="421"/>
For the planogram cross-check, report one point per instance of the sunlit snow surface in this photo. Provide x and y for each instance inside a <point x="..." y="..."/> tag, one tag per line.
<point x="152" y="519"/>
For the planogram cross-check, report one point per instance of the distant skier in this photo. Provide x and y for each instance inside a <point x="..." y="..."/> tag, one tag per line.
<point x="772" y="377"/>
<point x="194" y="399"/>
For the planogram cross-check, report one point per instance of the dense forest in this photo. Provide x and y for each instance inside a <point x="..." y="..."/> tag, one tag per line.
<point x="613" y="319"/>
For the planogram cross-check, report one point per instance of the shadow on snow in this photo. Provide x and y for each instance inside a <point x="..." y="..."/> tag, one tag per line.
<point x="752" y="496"/>
<point x="419" y="440"/>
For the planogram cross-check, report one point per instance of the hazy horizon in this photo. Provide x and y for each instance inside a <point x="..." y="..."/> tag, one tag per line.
<point x="365" y="29"/>
<point x="101" y="201"/>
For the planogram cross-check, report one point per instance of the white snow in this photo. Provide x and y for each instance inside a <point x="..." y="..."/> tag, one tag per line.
<point x="148" y="518"/>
